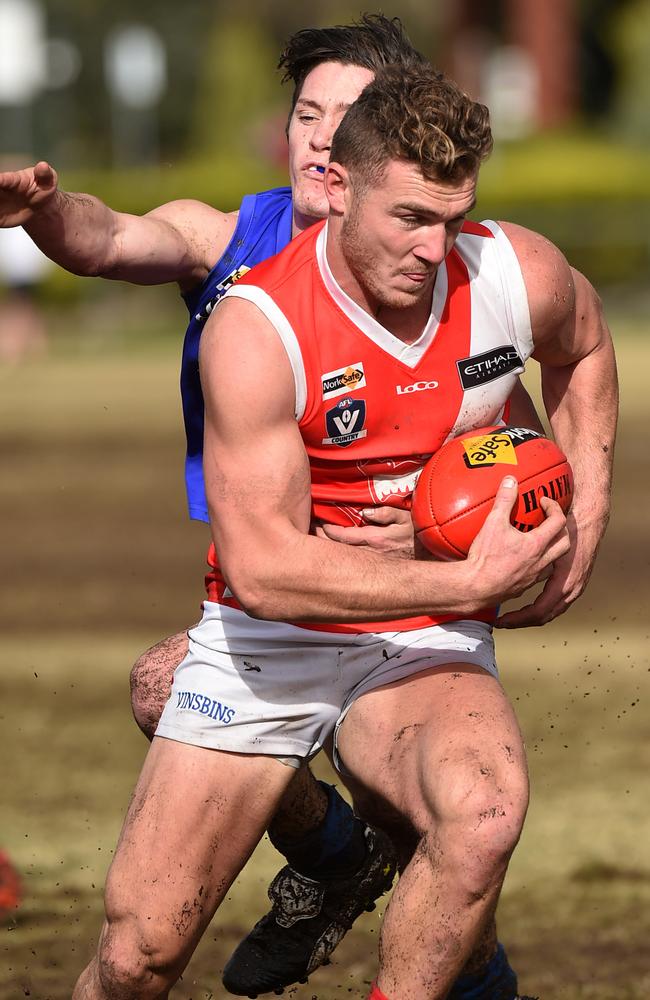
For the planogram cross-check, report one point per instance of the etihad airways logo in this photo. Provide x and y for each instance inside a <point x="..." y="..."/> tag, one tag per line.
<point x="415" y="387"/>
<point x="486" y="367"/>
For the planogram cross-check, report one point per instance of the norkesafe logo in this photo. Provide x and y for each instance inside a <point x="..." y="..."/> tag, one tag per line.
<point x="415" y="387"/>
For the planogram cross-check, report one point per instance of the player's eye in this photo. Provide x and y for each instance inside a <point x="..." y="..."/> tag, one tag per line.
<point x="410" y="221"/>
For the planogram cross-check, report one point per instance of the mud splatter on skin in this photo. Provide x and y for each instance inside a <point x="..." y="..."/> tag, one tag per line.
<point x="151" y="680"/>
<point x="301" y="809"/>
<point x="187" y="915"/>
<point x="494" y="812"/>
<point x="400" y="733"/>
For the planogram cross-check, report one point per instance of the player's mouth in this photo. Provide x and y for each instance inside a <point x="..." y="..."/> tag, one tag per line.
<point x="315" y="170"/>
<point x="418" y="277"/>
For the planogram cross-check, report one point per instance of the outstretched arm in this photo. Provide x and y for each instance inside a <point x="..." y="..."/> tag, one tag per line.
<point x="179" y="241"/>
<point x="579" y="383"/>
<point x="258" y="487"/>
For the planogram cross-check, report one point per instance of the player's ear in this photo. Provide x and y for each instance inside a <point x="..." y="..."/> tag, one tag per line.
<point x="337" y="183"/>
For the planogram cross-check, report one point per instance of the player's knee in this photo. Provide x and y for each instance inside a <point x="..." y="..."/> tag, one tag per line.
<point x="492" y="827"/>
<point x="132" y="963"/>
<point x="480" y="817"/>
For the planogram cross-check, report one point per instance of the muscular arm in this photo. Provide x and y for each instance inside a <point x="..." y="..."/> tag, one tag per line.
<point x="179" y="241"/>
<point x="579" y="384"/>
<point x="258" y="487"/>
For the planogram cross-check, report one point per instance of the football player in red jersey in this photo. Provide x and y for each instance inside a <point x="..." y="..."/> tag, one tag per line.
<point x="430" y="736"/>
<point x="181" y="242"/>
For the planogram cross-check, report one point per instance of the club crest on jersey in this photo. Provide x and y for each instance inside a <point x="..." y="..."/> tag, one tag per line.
<point x="486" y="367"/>
<point x="390" y="478"/>
<point x="497" y="448"/>
<point x="343" y="380"/>
<point x="344" y="422"/>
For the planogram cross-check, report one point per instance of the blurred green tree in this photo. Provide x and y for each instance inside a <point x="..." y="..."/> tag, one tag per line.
<point x="238" y="86"/>
<point x="632" y="35"/>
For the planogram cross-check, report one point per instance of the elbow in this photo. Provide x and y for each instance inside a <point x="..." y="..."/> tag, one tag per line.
<point x="255" y="603"/>
<point x="258" y="597"/>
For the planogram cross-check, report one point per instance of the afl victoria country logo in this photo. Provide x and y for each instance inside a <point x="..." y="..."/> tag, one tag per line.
<point x="344" y="422"/>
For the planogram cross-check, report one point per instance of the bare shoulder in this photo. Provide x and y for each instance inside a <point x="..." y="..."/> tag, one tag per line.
<point x="205" y="228"/>
<point x="549" y="279"/>
<point x="565" y="310"/>
<point x="544" y="267"/>
<point x="239" y="334"/>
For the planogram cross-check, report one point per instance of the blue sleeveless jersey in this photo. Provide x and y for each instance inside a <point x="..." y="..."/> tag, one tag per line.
<point x="263" y="229"/>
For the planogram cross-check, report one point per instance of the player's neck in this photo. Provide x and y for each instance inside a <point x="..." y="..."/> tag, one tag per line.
<point x="404" y="322"/>
<point x="301" y="223"/>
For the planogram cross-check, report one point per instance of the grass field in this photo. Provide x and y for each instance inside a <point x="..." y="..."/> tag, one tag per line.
<point x="99" y="563"/>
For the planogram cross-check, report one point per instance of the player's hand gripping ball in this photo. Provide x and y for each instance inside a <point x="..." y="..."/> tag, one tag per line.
<point x="457" y="486"/>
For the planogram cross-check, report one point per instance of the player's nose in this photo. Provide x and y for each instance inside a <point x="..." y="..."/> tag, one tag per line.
<point x="322" y="134"/>
<point x="432" y="246"/>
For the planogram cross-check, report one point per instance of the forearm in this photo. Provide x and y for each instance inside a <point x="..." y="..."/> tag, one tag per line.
<point x="315" y="579"/>
<point x="76" y="231"/>
<point x="279" y="572"/>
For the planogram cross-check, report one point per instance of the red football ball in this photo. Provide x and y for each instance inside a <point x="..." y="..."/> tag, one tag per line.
<point x="457" y="486"/>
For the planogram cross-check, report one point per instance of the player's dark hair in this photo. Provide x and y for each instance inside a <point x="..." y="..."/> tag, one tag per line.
<point x="373" y="42"/>
<point x="416" y="115"/>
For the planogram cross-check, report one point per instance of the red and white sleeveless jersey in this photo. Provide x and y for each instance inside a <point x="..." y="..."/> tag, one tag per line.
<point x="372" y="409"/>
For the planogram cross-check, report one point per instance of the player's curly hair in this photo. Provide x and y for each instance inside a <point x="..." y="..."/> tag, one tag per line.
<point x="372" y="42"/>
<point x="414" y="114"/>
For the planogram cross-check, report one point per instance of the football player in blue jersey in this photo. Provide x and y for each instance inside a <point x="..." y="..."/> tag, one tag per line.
<point x="333" y="857"/>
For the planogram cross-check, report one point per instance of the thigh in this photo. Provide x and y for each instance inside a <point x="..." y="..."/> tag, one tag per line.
<point x="247" y="683"/>
<point x="422" y="742"/>
<point x="194" y="819"/>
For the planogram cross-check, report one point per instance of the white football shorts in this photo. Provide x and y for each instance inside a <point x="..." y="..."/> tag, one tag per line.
<point x="258" y="687"/>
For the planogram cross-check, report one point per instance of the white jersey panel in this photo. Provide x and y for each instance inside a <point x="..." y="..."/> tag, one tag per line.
<point x="499" y="312"/>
